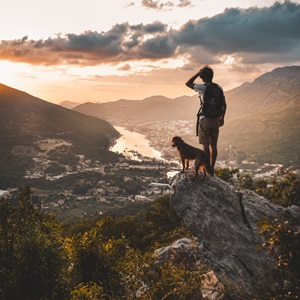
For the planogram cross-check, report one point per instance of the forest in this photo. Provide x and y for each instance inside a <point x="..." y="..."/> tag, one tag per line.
<point x="111" y="257"/>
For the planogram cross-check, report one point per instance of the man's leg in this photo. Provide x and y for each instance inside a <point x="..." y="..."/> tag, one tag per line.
<point x="214" y="154"/>
<point x="204" y="136"/>
<point x="206" y="149"/>
<point x="214" y="141"/>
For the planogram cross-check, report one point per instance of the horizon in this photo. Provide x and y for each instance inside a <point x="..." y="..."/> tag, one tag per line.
<point x="134" y="50"/>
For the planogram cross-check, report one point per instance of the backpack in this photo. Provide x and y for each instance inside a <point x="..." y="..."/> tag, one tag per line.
<point x="213" y="101"/>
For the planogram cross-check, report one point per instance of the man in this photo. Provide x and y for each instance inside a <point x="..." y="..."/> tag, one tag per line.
<point x="209" y="123"/>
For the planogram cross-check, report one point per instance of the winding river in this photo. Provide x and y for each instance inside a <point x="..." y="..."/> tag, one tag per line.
<point x="131" y="144"/>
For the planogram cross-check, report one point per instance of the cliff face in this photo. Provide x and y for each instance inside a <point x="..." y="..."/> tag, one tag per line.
<point x="225" y="223"/>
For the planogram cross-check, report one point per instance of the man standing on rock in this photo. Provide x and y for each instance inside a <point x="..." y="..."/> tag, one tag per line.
<point x="211" y="113"/>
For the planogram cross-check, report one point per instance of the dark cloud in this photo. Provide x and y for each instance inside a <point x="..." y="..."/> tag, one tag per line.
<point x="272" y="30"/>
<point x="254" y="35"/>
<point x="156" y="27"/>
<point x="156" y="48"/>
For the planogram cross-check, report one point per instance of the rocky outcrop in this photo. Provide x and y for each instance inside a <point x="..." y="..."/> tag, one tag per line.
<point x="224" y="221"/>
<point x="189" y="252"/>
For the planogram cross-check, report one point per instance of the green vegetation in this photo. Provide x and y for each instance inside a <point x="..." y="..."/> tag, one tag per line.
<point x="283" y="190"/>
<point x="283" y="244"/>
<point x="33" y="261"/>
<point x="111" y="257"/>
<point x="108" y="259"/>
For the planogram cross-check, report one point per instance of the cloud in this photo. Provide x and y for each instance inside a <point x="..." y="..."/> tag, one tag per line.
<point x="125" y="67"/>
<point x="156" y="4"/>
<point x="253" y="35"/>
<point x="161" y="5"/>
<point x="184" y="3"/>
<point x="255" y="30"/>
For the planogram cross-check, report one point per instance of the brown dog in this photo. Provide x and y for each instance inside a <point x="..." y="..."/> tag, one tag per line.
<point x="187" y="153"/>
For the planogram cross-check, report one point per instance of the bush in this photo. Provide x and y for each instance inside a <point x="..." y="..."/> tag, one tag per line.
<point x="283" y="244"/>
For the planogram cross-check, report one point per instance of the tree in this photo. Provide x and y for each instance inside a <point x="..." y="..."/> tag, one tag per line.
<point x="32" y="256"/>
<point x="94" y="260"/>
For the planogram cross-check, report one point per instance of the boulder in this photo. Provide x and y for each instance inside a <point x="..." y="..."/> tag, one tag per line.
<point x="224" y="221"/>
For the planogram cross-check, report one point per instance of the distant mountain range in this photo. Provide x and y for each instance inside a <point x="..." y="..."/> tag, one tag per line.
<point x="262" y="119"/>
<point x="69" y="104"/>
<point x="155" y="108"/>
<point x="26" y="119"/>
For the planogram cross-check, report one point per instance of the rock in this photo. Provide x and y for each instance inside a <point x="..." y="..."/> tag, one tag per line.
<point x="189" y="251"/>
<point x="224" y="221"/>
<point x="183" y="249"/>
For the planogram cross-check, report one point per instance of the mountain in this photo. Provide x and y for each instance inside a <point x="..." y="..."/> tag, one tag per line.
<point x="155" y="108"/>
<point x="68" y="104"/>
<point x="26" y="120"/>
<point x="262" y="119"/>
<point x="263" y="116"/>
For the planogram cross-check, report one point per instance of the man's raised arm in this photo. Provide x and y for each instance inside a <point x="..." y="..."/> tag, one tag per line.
<point x="190" y="83"/>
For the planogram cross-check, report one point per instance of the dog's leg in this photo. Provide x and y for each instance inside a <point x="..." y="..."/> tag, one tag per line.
<point x="183" y="163"/>
<point x="187" y="164"/>
<point x="197" y="166"/>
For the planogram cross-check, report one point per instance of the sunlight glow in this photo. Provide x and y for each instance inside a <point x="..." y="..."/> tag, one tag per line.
<point x="14" y="74"/>
<point x="227" y="59"/>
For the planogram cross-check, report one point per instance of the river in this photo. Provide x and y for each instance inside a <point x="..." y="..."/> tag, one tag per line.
<point x="131" y="144"/>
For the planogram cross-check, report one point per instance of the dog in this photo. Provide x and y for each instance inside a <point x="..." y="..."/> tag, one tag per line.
<point x="187" y="153"/>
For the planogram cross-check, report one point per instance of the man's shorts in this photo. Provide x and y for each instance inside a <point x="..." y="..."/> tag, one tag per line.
<point x="208" y="131"/>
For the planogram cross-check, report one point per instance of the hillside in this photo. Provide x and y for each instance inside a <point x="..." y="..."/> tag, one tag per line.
<point x="155" y="108"/>
<point x="262" y="120"/>
<point x="26" y="120"/>
<point x="263" y="117"/>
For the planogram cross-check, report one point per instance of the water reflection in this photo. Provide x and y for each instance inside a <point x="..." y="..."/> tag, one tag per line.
<point x="131" y="144"/>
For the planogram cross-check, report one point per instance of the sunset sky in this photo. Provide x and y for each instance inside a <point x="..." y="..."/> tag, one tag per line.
<point x="97" y="50"/>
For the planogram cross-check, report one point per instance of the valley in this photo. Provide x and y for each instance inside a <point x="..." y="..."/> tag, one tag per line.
<point x="64" y="155"/>
<point x="79" y="187"/>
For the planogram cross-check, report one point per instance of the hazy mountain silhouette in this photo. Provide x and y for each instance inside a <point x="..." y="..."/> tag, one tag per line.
<point x="69" y="104"/>
<point x="262" y="117"/>
<point x="26" y="119"/>
<point x="155" y="108"/>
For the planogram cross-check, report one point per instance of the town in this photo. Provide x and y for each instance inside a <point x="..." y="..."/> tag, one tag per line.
<point x="79" y="187"/>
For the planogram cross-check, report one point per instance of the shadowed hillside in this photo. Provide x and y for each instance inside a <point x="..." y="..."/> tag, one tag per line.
<point x="26" y="119"/>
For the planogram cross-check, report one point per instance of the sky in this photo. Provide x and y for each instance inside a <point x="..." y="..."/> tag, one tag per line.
<point x="101" y="51"/>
